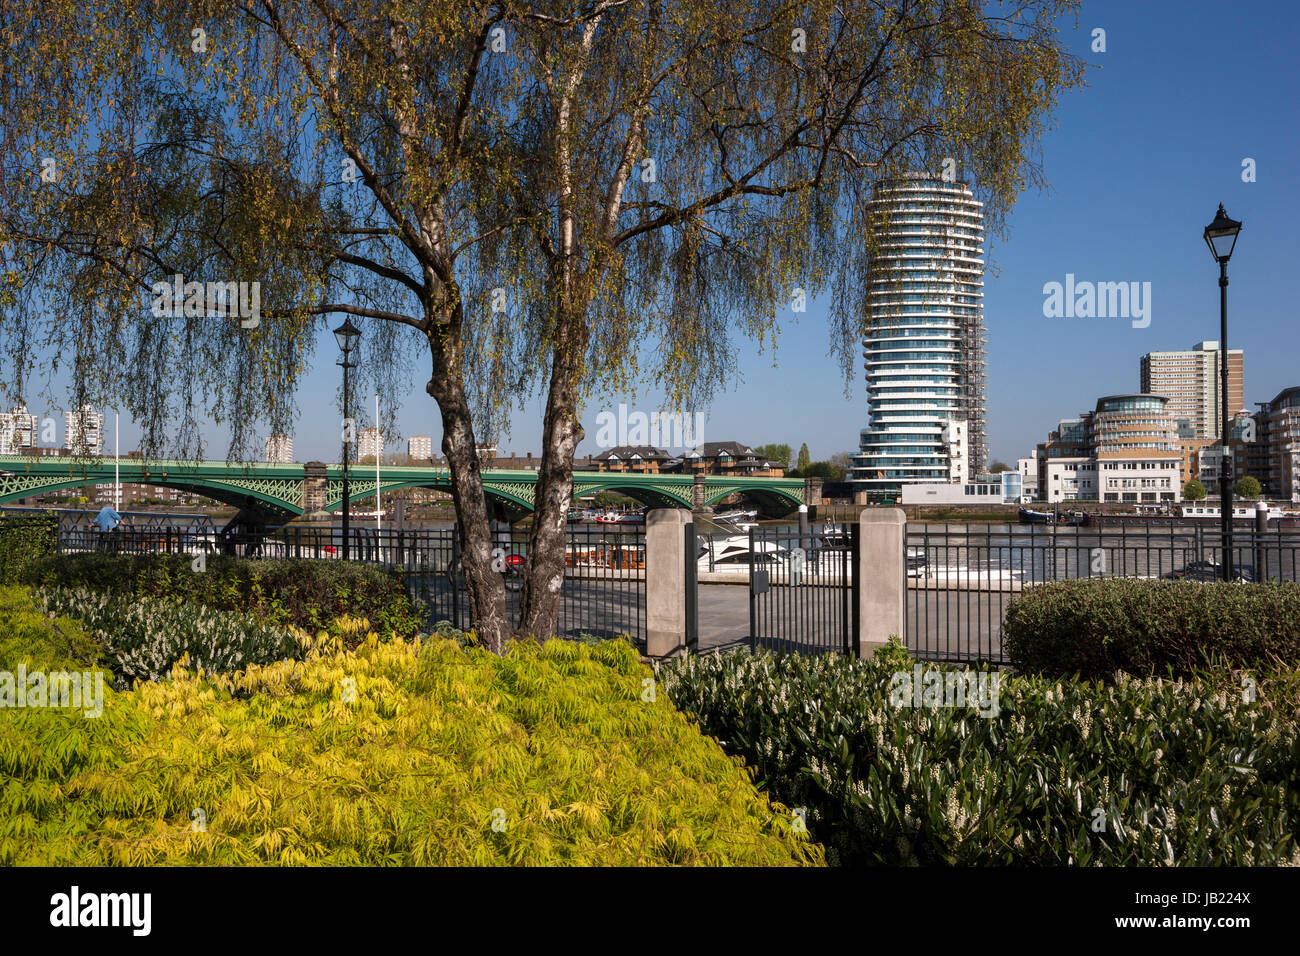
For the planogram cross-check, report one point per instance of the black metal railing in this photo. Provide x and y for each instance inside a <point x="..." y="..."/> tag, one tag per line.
<point x="802" y="593"/>
<point x="603" y="594"/>
<point x="961" y="578"/>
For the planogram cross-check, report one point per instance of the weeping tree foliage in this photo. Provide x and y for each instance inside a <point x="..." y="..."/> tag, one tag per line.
<point x="345" y="157"/>
<point x="569" y="197"/>
<point x="695" y="171"/>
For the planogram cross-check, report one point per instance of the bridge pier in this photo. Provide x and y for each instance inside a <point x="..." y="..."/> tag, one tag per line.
<point x="699" y="496"/>
<point x="812" y="493"/>
<point x="313" y="490"/>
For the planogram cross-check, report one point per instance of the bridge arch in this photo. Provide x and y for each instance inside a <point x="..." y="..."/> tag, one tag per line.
<point x="769" y="500"/>
<point x="628" y="484"/>
<point x="226" y="492"/>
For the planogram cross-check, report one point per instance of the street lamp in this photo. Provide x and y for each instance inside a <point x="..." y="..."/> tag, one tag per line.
<point x="1221" y="236"/>
<point x="347" y="336"/>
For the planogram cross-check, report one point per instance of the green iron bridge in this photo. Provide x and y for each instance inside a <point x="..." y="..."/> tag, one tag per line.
<point x="290" y="490"/>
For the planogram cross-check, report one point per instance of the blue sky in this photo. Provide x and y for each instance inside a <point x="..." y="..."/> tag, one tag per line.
<point x="1138" y="162"/>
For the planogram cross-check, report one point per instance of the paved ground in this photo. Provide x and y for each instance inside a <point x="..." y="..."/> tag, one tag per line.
<point x="724" y="616"/>
<point x="940" y="623"/>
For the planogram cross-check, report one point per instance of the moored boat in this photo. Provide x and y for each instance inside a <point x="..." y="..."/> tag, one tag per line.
<point x="621" y="517"/>
<point x="734" y="554"/>
<point x="606" y="556"/>
<point x="1212" y="512"/>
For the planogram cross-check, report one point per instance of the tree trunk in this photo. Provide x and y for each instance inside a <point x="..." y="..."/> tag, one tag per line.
<point x="544" y="575"/>
<point x="487" y="593"/>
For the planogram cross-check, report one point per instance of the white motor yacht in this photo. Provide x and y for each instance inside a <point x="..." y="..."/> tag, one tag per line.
<point x="732" y="554"/>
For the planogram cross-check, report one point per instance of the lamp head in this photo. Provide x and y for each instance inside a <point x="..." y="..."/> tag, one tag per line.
<point x="1221" y="235"/>
<point x="347" y="335"/>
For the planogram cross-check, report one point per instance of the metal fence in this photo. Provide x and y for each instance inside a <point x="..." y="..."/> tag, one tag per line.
<point x="961" y="578"/>
<point x="603" y="594"/>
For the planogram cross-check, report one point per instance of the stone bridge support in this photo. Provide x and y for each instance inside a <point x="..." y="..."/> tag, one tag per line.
<point x="699" y="496"/>
<point x="313" y="490"/>
<point x="812" y="492"/>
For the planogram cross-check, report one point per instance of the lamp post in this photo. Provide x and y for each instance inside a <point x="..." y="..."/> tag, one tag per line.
<point x="1221" y="236"/>
<point x="346" y="335"/>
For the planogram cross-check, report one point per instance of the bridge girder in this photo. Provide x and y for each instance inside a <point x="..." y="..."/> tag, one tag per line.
<point x="279" y="487"/>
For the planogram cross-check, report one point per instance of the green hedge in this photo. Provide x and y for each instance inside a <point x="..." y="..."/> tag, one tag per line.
<point x="25" y="538"/>
<point x="1097" y="627"/>
<point x="1072" y="773"/>
<point x="397" y="753"/>
<point x="302" y="593"/>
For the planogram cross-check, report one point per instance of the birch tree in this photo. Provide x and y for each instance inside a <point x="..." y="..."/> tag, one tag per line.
<point x="697" y="172"/>
<point x="341" y="155"/>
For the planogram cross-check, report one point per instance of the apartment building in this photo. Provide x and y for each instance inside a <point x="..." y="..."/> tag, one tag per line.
<point x="636" y="458"/>
<point x="1279" y="433"/>
<point x="84" y="431"/>
<point x="279" y="448"/>
<point x="924" y="345"/>
<point x="1190" y="379"/>
<point x="1127" y="449"/>
<point x="419" y="448"/>
<point x="1135" y="448"/>
<point x="18" y="430"/>
<point x="729" y="458"/>
<point x="368" y="444"/>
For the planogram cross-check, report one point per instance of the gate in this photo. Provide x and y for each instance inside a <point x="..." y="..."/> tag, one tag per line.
<point x="803" y="591"/>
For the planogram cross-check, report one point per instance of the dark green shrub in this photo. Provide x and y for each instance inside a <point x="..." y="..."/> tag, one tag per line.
<point x="1135" y="773"/>
<point x="24" y="539"/>
<point x="142" y="638"/>
<point x="1097" y="627"/>
<point x="303" y="593"/>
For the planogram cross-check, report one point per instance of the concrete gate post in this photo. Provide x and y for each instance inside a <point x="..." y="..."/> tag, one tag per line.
<point x="882" y="577"/>
<point x="665" y="594"/>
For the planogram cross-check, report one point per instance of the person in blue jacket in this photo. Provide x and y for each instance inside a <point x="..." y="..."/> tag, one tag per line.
<point x="107" y="521"/>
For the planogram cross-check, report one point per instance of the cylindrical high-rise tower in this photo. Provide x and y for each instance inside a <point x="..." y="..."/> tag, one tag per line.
<point x="924" y="346"/>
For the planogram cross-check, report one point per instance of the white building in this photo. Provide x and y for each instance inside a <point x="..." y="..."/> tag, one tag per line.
<point x="279" y="448"/>
<point x="1003" y="490"/>
<point x="419" y="447"/>
<point x="956" y="446"/>
<point x="84" y="431"/>
<point x="924" y="346"/>
<point x="368" y="443"/>
<point x="1067" y="479"/>
<point x="18" y="430"/>
<point x="1139" y="481"/>
<point x="1028" y="468"/>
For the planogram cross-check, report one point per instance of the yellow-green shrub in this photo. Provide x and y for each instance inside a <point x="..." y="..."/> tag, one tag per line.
<point x="557" y="738"/>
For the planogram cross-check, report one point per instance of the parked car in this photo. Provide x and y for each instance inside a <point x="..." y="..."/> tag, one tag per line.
<point x="513" y="575"/>
<point x="1210" y="571"/>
